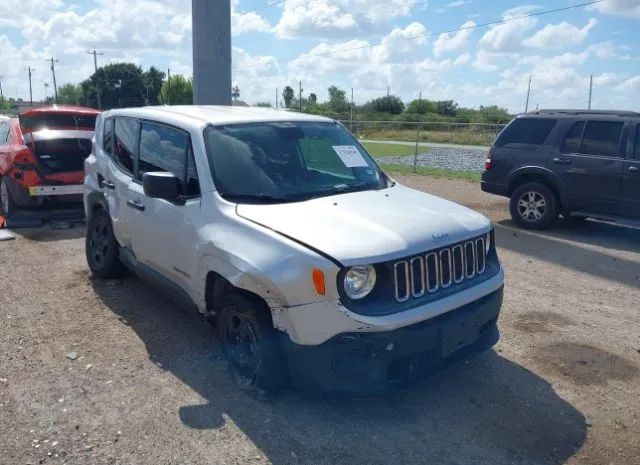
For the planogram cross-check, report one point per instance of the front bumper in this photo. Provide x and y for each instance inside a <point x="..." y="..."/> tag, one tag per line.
<point x="376" y="361"/>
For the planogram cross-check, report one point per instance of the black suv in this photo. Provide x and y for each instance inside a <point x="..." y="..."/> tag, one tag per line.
<point x="576" y="163"/>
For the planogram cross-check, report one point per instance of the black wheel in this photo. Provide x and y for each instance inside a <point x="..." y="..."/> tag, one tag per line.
<point x="102" y="248"/>
<point x="533" y="206"/>
<point x="250" y="345"/>
<point x="7" y="204"/>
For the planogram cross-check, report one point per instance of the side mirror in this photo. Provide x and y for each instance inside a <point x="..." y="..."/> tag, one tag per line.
<point x="162" y="185"/>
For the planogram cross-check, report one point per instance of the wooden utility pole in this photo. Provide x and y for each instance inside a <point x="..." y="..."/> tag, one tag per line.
<point x="53" y="72"/>
<point x="1" y="94"/>
<point x="276" y="98"/>
<point x="95" y="67"/>
<point x="590" y="90"/>
<point x="168" y="102"/>
<point x="300" y="95"/>
<point x="526" y="107"/>
<point x="29" y="70"/>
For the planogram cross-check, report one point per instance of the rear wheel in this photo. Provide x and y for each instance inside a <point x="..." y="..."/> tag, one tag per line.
<point x="250" y="345"/>
<point x="533" y="206"/>
<point x="7" y="204"/>
<point x="102" y="248"/>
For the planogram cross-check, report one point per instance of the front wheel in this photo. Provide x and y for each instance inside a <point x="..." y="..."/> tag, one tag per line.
<point x="102" y="248"/>
<point x="533" y="206"/>
<point x="250" y="345"/>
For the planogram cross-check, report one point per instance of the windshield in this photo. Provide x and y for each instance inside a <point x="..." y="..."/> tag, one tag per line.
<point x="288" y="161"/>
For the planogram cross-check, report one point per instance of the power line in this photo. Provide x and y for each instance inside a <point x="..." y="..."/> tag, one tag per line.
<point x="431" y="34"/>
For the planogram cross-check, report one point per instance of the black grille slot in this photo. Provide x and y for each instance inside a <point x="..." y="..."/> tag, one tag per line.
<point x="433" y="272"/>
<point x="469" y="259"/>
<point x="458" y="264"/>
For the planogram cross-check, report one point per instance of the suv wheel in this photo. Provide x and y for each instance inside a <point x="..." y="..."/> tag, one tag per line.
<point x="533" y="206"/>
<point x="102" y="248"/>
<point x="250" y="345"/>
<point x="7" y="204"/>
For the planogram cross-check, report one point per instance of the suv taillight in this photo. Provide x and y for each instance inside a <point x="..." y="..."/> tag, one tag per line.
<point x="487" y="162"/>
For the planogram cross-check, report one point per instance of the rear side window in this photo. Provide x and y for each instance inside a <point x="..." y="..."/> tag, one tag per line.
<point x="526" y="131"/>
<point x="602" y="138"/>
<point x="107" y="141"/>
<point x="163" y="148"/>
<point x="125" y="139"/>
<point x="636" y="150"/>
<point x="571" y="143"/>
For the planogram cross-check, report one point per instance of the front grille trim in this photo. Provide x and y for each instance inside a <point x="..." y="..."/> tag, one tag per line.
<point x="439" y="270"/>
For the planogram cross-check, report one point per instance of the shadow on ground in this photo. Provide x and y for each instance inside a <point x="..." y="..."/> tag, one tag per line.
<point x="552" y="246"/>
<point x="489" y="410"/>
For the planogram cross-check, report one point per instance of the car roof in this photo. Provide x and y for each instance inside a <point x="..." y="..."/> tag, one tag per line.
<point x="213" y="114"/>
<point x="60" y="110"/>
<point x="582" y="114"/>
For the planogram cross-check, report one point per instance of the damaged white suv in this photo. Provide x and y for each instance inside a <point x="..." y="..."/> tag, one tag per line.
<point x="316" y="267"/>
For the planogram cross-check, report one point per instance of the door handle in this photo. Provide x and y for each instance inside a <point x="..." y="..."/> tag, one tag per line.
<point x="107" y="184"/>
<point x="136" y="205"/>
<point x="562" y="161"/>
<point x="634" y="169"/>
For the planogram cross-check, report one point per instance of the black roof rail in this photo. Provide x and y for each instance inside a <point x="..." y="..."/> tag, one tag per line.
<point x="585" y="112"/>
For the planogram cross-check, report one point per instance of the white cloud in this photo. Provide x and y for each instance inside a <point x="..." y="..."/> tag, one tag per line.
<point x="508" y="36"/>
<point x="457" y="3"/>
<point x="341" y="18"/>
<point x="630" y="85"/>
<point x="629" y="8"/>
<point x="453" y="42"/>
<point x="562" y="35"/>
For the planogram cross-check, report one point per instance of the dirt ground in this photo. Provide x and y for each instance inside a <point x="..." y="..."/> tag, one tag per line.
<point x="149" y="384"/>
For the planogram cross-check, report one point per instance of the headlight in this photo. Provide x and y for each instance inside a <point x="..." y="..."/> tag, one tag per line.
<point x="359" y="281"/>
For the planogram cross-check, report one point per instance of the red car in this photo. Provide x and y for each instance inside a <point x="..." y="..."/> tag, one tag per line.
<point x="42" y="155"/>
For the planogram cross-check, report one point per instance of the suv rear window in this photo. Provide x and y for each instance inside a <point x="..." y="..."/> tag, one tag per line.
<point x="526" y="131"/>
<point x="32" y="123"/>
<point x="61" y="155"/>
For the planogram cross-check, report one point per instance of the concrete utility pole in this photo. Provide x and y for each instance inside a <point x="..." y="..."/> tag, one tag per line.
<point x="300" y="95"/>
<point x="211" y="23"/>
<point x="30" y="89"/>
<point x="351" y="115"/>
<point x="526" y="107"/>
<point x="53" y="71"/>
<point x="1" y="94"/>
<point x="590" y="90"/>
<point x="276" y="98"/>
<point x="387" y="91"/>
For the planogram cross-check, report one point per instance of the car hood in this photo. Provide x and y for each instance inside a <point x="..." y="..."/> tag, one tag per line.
<point x="370" y="226"/>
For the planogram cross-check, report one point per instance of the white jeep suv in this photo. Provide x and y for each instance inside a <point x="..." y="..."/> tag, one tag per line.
<point x="316" y="267"/>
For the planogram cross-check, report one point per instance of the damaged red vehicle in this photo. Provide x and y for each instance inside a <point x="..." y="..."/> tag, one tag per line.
<point x="42" y="154"/>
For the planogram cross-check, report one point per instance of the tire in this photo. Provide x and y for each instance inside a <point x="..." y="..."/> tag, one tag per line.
<point x="249" y="342"/>
<point x="7" y="204"/>
<point x="101" y="247"/>
<point x="533" y="206"/>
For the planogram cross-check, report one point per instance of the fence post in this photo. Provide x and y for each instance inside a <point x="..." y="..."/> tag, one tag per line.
<point x="415" y="156"/>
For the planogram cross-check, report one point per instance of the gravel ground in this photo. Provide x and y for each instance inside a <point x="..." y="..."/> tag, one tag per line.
<point x="455" y="159"/>
<point x="147" y="383"/>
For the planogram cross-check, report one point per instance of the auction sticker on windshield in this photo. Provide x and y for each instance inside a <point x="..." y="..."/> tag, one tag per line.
<point x="350" y="156"/>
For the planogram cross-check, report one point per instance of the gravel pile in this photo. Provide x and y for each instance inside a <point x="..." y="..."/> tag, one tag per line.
<point x="446" y="158"/>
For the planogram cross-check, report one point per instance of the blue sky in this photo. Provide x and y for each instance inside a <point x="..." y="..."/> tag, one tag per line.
<point x="362" y="44"/>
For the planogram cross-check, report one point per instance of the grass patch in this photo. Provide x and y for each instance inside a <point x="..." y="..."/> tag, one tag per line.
<point x="434" y="172"/>
<point x="378" y="150"/>
<point x="460" y="136"/>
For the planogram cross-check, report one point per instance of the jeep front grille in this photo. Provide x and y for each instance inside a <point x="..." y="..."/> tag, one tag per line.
<point x="449" y="266"/>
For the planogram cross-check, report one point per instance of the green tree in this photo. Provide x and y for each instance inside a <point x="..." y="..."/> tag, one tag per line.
<point x="179" y="91"/>
<point x="119" y="84"/>
<point x="388" y="104"/>
<point x="447" y="108"/>
<point x="264" y="105"/>
<point x="287" y="95"/>
<point x="153" y="80"/>
<point x="337" y="100"/>
<point x="313" y="98"/>
<point x="70" y="94"/>
<point x="422" y="106"/>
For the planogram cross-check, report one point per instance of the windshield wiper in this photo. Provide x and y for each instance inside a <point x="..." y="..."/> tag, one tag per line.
<point x="341" y="189"/>
<point x="257" y="198"/>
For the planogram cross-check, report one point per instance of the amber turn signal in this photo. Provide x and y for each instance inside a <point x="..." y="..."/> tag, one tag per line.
<point x="318" y="281"/>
